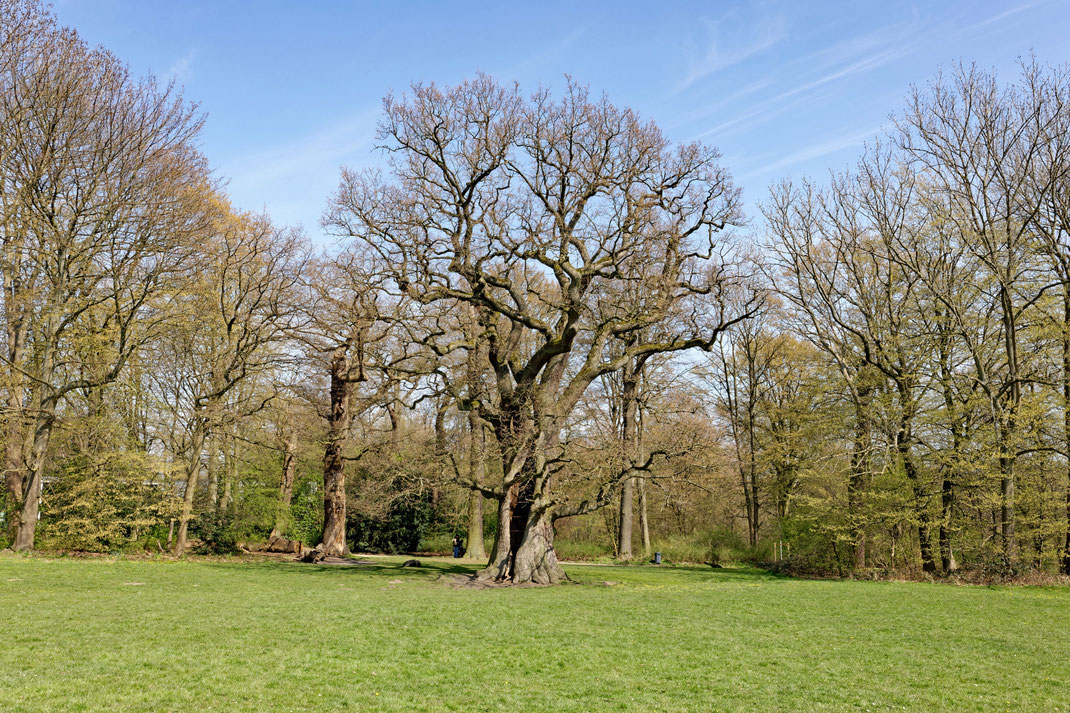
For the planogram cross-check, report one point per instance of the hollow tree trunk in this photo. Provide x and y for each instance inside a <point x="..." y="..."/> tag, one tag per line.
<point x="333" y="539"/>
<point x="499" y="567"/>
<point x="536" y="560"/>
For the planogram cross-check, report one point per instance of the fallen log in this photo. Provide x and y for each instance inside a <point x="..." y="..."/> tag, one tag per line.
<point x="312" y="556"/>
<point x="284" y="545"/>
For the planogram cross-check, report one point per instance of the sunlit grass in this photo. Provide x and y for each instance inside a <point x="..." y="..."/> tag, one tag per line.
<point x="123" y="635"/>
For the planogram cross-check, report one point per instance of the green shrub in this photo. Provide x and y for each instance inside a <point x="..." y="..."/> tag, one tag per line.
<point x="306" y="511"/>
<point x="105" y="501"/>
<point x="216" y="532"/>
<point x="407" y="522"/>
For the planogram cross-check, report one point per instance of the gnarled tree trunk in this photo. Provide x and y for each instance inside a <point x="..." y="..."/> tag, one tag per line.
<point x="535" y="560"/>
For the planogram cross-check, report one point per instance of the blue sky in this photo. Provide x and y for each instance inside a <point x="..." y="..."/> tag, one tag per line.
<point x="293" y="89"/>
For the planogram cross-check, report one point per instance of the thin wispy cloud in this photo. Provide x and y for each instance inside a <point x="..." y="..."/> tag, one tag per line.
<point x="329" y="145"/>
<point x="999" y="17"/>
<point x="854" y="139"/>
<point x="840" y="63"/>
<point x="543" y="56"/>
<point x="295" y="178"/>
<point x="726" y="44"/>
<point x="731" y="99"/>
<point x="181" y="70"/>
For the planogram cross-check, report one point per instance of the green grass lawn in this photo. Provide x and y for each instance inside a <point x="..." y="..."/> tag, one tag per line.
<point x="121" y="635"/>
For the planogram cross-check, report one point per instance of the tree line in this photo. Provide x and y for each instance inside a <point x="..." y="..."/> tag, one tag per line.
<point x="540" y="316"/>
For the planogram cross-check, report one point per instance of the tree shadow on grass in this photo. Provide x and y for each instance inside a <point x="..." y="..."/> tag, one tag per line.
<point x="672" y="573"/>
<point x="451" y="571"/>
<point x="428" y="570"/>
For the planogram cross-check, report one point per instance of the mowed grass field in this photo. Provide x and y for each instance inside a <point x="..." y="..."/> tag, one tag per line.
<point x="123" y="635"/>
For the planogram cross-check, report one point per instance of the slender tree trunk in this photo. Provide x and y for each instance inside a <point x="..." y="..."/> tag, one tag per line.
<point x="193" y="475"/>
<point x="947" y="486"/>
<point x="928" y="563"/>
<point x="625" y="519"/>
<point x="213" y="471"/>
<point x="1065" y="563"/>
<point x="644" y="522"/>
<point x="333" y="540"/>
<point x="628" y="442"/>
<point x="31" y="501"/>
<point x="476" y="469"/>
<point x="440" y="451"/>
<point x="1007" y="508"/>
<point x="230" y="466"/>
<point x="1066" y="545"/>
<point x="286" y="486"/>
<point x="46" y="401"/>
<point x="1008" y="431"/>
<point x="15" y="430"/>
<point x="751" y="484"/>
<point x="856" y="482"/>
<point x="947" y="504"/>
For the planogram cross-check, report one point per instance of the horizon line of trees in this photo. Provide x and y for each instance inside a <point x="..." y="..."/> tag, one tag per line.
<point x="542" y="317"/>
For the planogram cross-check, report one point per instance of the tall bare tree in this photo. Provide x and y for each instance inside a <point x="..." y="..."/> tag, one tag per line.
<point x="528" y="210"/>
<point x="99" y="202"/>
<point x="241" y="310"/>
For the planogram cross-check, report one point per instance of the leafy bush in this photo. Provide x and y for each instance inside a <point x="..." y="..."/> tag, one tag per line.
<point x="105" y="501"/>
<point x="216" y="532"/>
<point x="306" y="511"/>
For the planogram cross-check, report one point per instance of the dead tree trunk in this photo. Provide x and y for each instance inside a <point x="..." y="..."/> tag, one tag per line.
<point x="339" y="421"/>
